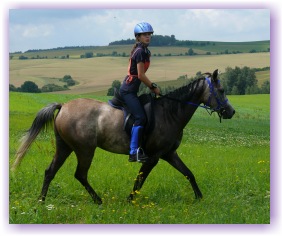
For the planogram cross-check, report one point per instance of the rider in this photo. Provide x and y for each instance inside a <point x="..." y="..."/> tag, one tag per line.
<point x="138" y="65"/>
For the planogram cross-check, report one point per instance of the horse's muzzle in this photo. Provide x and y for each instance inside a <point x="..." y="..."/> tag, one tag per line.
<point x="227" y="112"/>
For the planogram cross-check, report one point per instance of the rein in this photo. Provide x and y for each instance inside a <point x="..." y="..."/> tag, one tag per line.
<point x="207" y="107"/>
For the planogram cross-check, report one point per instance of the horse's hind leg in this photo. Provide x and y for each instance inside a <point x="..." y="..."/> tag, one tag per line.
<point x="173" y="159"/>
<point x="84" y="159"/>
<point x="143" y="174"/>
<point x="62" y="152"/>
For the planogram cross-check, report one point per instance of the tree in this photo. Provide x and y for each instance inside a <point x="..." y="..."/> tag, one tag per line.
<point x="172" y="39"/>
<point x="88" y="54"/>
<point x="190" y="52"/>
<point x="265" y="87"/>
<point x="52" y="87"/>
<point x="12" y="87"/>
<point x="115" y="85"/>
<point x="66" y="78"/>
<point x="238" y="80"/>
<point x="22" y="57"/>
<point x="29" y="87"/>
<point x="69" y="80"/>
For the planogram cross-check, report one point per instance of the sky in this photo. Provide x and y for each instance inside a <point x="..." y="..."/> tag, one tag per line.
<point x="50" y="28"/>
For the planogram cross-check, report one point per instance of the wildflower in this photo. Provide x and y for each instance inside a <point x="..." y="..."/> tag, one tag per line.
<point x="50" y="207"/>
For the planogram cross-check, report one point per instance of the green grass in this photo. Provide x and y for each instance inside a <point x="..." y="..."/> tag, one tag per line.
<point x="230" y="160"/>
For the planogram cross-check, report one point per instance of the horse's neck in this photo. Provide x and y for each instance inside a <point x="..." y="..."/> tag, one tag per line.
<point x="184" y="110"/>
<point x="180" y="109"/>
<point x="176" y="115"/>
<point x="186" y="114"/>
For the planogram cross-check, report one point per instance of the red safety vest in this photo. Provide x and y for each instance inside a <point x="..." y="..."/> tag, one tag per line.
<point x="130" y="76"/>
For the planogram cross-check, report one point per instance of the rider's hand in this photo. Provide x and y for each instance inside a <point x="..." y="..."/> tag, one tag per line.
<point x="156" y="91"/>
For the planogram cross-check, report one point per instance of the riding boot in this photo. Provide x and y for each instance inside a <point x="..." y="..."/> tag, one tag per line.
<point x="136" y="152"/>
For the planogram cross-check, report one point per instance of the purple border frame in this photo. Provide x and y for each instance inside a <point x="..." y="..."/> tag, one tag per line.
<point x="154" y="229"/>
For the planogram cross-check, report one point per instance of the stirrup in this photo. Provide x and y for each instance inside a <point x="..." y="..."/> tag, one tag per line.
<point x="140" y="155"/>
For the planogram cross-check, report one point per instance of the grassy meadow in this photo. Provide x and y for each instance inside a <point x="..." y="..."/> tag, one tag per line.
<point x="230" y="160"/>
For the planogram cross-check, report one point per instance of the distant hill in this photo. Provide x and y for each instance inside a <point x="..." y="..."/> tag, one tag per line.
<point x="159" y="46"/>
<point x="160" y="41"/>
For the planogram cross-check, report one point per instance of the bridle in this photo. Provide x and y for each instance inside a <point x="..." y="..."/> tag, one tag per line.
<point x="220" y="105"/>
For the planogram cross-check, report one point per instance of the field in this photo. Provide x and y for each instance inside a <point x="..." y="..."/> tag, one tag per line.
<point x="212" y="47"/>
<point x="230" y="160"/>
<point x="95" y="75"/>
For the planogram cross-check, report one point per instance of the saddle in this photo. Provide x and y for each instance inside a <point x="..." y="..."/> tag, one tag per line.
<point x="147" y="101"/>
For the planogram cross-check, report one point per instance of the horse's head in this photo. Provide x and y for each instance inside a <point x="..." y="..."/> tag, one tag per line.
<point x="215" y="97"/>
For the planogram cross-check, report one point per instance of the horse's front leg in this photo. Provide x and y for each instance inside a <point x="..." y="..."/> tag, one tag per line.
<point x="142" y="175"/>
<point x="173" y="159"/>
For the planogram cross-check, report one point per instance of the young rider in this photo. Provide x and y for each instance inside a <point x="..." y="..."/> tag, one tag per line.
<point x="138" y="65"/>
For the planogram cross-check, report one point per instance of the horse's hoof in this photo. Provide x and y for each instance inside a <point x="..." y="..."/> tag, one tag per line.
<point x="98" y="201"/>
<point x="130" y="198"/>
<point x="40" y="201"/>
<point x="198" y="197"/>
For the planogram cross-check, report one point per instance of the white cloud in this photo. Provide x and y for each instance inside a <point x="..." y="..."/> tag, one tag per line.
<point x="34" y="31"/>
<point x="102" y="26"/>
<point x="31" y="30"/>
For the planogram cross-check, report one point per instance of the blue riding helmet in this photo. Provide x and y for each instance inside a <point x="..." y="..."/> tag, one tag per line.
<point x="143" y="27"/>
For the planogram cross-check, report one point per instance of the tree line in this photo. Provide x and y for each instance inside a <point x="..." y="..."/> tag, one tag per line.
<point x="237" y="81"/>
<point x="160" y="40"/>
<point x="31" y="87"/>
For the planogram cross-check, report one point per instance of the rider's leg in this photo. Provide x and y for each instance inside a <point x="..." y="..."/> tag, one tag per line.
<point x="138" y="112"/>
<point x="136" y="153"/>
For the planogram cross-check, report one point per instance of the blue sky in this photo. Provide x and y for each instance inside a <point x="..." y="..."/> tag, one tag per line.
<point x="50" y="28"/>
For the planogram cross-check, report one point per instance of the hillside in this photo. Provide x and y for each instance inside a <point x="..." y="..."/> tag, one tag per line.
<point x="109" y="63"/>
<point x="95" y="75"/>
<point x="199" y="48"/>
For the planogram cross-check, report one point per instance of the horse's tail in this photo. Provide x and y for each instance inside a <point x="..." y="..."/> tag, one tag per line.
<point x="44" y="117"/>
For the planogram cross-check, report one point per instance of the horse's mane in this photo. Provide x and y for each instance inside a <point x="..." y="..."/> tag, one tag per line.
<point x="185" y="92"/>
<point x="180" y="96"/>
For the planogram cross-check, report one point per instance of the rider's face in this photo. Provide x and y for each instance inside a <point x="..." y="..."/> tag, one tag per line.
<point x="145" y="38"/>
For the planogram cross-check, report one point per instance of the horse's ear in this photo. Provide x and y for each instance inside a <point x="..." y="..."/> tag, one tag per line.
<point x="214" y="75"/>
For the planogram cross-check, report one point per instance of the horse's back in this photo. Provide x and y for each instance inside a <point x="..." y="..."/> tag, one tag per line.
<point x="91" y="123"/>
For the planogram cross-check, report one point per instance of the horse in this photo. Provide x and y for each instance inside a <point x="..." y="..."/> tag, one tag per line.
<point x="81" y="125"/>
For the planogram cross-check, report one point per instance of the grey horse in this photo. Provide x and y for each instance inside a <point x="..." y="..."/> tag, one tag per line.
<point x="82" y="125"/>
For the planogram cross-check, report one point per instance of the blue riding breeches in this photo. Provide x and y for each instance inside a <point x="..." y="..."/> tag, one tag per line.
<point x="135" y="107"/>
